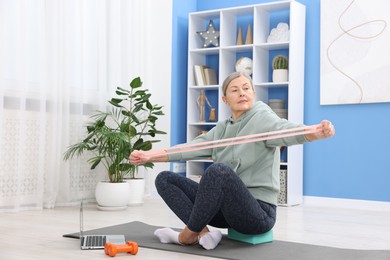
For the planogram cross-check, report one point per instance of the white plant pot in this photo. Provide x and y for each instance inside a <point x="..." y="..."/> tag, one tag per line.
<point x="280" y="76"/>
<point x="112" y="196"/>
<point x="137" y="191"/>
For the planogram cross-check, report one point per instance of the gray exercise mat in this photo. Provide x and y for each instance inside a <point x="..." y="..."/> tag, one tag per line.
<point x="229" y="249"/>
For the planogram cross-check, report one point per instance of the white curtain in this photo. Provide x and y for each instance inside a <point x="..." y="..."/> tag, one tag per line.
<point x="60" y="60"/>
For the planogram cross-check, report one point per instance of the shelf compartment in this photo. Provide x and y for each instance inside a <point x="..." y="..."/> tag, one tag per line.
<point x="209" y="59"/>
<point x="267" y="16"/>
<point x="232" y="20"/>
<point x="198" y="22"/>
<point x="193" y="113"/>
<point x="197" y="167"/>
<point x="196" y="129"/>
<point x="229" y="57"/>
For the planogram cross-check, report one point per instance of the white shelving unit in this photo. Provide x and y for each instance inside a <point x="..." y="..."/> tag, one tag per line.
<point x="262" y="18"/>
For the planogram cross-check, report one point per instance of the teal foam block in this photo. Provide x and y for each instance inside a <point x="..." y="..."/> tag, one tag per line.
<point x="251" y="239"/>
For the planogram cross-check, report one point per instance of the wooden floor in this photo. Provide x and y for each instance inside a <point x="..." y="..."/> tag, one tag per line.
<point x="38" y="234"/>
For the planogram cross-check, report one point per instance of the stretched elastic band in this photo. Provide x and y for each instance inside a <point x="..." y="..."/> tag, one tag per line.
<point x="184" y="148"/>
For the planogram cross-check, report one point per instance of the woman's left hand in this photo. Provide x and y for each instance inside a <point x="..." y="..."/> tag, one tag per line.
<point x="327" y="130"/>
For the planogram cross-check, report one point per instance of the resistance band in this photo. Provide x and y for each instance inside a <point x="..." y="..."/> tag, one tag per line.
<point x="184" y="148"/>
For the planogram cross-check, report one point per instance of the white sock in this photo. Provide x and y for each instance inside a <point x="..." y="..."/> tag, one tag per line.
<point x="211" y="239"/>
<point x="167" y="235"/>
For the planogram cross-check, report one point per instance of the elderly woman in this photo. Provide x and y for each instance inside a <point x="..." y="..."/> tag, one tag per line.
<point x="239" y="190"/>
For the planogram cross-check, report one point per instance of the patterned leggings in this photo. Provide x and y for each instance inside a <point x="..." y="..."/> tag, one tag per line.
<point x="220" y="200"/>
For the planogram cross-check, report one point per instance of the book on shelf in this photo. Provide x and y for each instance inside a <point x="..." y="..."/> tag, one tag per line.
<point x="210" y="76"/>
<point x="204" y="75"/>
<point x="198" y="73"/>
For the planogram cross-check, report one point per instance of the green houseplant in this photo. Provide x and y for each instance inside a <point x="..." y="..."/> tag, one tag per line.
<point x="280" y="62"/>
<point x="280" y="69"/>
<point x="111" y="136"/>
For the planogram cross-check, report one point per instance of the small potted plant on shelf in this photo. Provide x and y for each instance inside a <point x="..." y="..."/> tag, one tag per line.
<point x="280" y="69"/>
<point x="113" y="135"/>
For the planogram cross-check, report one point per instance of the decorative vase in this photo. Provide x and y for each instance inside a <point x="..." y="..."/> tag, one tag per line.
<point x="240" y="39"/>
<point x="249" y="36"/>
<point x="112" y="196"/>
<point x="137" y="191"/>
<point x="280" y="75"/>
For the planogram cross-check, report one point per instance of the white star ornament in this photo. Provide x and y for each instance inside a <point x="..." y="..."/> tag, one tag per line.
<point x="210" y="37"/>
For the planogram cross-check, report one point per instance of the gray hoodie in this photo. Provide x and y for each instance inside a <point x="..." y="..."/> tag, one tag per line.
<point x="256" y="163"/>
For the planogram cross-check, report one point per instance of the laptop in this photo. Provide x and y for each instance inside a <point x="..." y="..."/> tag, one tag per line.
<point x="96" y="241"/>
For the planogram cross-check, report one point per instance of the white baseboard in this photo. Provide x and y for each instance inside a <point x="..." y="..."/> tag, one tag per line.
<point x="346" y="203"/>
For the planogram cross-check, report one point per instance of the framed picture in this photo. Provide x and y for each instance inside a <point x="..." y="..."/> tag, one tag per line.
<point x="355" y="57"/>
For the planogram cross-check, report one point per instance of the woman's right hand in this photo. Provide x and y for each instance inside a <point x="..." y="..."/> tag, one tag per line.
<point x="137" y="157"/>
<point x="141" y="157"/>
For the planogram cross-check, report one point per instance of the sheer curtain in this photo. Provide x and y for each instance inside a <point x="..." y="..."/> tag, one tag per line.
<point x="60" y="60"/>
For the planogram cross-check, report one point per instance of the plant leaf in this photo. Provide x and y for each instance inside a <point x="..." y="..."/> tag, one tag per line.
<point x="95" y="161"/>
<point x="136" y="83"/>
<point x="132" y="131"/>
<point x="148" y="165"/>
<point x="116" y="100"/>
<point x="158" y="113"/>
<point x="122" y="92"/>
<point x="145" y="146"/>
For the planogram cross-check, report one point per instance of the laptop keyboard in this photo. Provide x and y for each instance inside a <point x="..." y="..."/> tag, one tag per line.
<point x="92" y="241"/>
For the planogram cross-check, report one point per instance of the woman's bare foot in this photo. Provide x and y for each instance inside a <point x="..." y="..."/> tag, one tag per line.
<point x="204" y="231"/>
<point x="188" y="237"/>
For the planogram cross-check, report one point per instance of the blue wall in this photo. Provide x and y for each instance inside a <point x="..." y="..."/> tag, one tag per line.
<point x="353" y="164"/>
<point x="179" y="68"/>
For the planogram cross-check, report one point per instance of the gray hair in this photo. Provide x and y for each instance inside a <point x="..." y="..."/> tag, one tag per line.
<point x="233" y="76"/>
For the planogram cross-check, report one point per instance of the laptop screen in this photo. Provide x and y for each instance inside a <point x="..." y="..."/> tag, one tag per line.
<point x="81" y="221"/>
